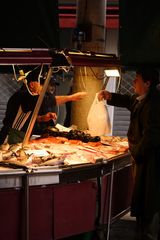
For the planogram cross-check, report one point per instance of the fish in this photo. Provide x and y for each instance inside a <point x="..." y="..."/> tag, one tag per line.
<point x="53" y="162"/>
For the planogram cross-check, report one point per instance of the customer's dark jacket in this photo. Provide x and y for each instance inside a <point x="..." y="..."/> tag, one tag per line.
<point x="144" y="141"/>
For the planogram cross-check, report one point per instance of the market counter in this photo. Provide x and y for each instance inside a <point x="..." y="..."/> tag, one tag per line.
<point x="54" y="203"/>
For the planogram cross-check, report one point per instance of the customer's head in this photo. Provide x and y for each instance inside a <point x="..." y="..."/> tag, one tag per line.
<point x="146" y="78"/>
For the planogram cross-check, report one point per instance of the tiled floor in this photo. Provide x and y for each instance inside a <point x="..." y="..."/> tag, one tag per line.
<point x="123" y="229"/>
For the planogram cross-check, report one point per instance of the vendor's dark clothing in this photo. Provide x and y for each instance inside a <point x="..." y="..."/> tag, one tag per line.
<point x="27" y="102"/>
<point x="48" y="105"/>
<point x="144" y="141"/>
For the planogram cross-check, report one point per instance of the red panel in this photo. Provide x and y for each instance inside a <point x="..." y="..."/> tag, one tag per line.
<point x="105" y="198"/>
<point x="41" y="211"/>
<point x="10" y="214"/>
<point x="122" y="190"/>
<point x="112" y="23"/>
<point x="67" y="17"/>
<point x="74" y="208"/>
<point x="66" y="21"/>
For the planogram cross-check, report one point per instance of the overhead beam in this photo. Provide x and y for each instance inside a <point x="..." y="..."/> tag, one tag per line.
<point x="56" y="57"/>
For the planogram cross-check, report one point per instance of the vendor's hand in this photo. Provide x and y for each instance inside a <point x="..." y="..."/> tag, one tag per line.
<point x="47" y="117"/>
<point x="35" y="87"/>
<point x="51" y="116"/>
<point x="78" y="96"/>
<point x="103" y="94"/>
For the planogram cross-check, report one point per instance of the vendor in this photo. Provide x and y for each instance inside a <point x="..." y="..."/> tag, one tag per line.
<point x="47" y="114"/>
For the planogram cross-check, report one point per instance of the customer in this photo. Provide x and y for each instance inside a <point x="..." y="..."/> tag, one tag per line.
<point x="47" y="113"/>
<point x="144" y="145"/>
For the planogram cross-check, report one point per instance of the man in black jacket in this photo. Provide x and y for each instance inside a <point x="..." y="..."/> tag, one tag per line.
<point x="144" y="144"/>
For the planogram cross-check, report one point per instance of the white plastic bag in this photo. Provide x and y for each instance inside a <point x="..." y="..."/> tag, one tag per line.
<point x="98" y="118"/>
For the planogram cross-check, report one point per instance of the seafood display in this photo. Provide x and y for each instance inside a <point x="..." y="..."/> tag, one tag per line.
<point x="60" y="151"/>
<point x="72" y="134"/>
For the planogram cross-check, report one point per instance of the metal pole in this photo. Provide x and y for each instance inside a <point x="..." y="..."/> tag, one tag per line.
<point x="105" y="83"/>
<point x="99" y="184"/>
<point x="37" y="107"/>
<point x="110" y="202"/>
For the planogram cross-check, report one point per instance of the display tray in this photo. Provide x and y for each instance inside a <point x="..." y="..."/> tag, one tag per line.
<point x="81" y="172"/>
<point x="58" y="154"/>
<point x="10" y="171"/>
<point x="13" y="165"/>
<point x="121" y="161"/>
<point x="12" y="176"/>
<point x="19" y="165"/>
<point x="62" y="168"/>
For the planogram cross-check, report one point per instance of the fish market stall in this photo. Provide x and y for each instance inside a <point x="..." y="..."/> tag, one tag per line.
<point x="64" y="183"/>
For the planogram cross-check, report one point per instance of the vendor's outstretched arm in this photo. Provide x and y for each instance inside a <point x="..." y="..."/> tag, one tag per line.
<point x="73" y="97"/>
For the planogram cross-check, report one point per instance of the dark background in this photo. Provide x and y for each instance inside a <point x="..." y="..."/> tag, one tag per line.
<point x="139" y="35"/>
<point x="29" y="24"/>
